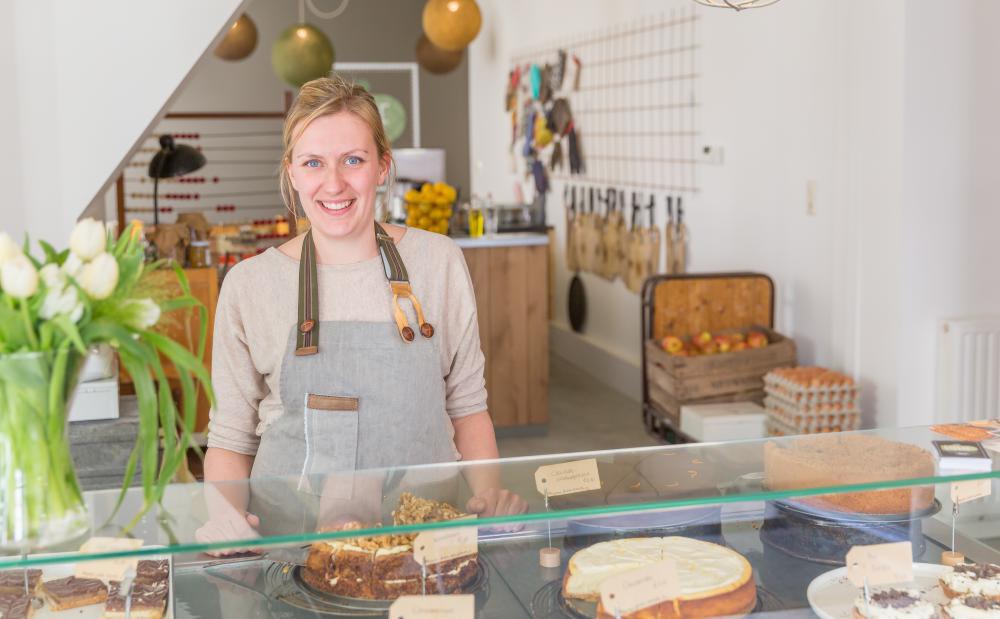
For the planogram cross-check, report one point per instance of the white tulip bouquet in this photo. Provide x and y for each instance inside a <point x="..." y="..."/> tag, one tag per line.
<point x="53" y="311"/>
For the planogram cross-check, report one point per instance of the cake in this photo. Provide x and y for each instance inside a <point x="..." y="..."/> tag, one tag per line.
<point x="384" y="567"/>
<point x="894" y="604"/>
<point x="972" y="607"/>
<point x="980" y="579"/>
<point x="15" y="606"/>
<point x="838" y="459"/>
<point x="12" y="581"/>
<point x="149" y="600"/>
<point x="713" y="580"/>
<point x="150" y="589"/>
<point x="152" y="571"/>
<point x="72" y="592"/>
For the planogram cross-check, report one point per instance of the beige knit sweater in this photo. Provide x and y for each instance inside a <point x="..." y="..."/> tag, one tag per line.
<point x="258" y="308"/>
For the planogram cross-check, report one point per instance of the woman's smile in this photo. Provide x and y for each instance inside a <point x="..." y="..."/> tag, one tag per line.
<point x="336" y="208"/>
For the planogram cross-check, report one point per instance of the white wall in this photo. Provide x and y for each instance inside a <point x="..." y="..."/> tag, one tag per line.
<point x="89" y="78"/>
<point x="794" y="92"/>
<point x="951" y="221"/>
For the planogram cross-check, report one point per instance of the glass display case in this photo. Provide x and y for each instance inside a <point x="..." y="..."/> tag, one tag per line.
<point x="740" y="528"/>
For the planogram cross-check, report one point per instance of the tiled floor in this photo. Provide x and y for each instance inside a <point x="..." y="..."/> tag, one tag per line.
<point x="585" y="415"/>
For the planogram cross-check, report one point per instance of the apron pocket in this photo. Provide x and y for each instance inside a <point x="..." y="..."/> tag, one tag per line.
<point x="331" y="433"/>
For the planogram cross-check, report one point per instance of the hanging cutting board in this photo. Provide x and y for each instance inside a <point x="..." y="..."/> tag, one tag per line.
<point x="612" y="240"/>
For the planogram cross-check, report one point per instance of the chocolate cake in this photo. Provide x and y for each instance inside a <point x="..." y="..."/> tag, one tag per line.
<point x="894" y="604"/>
<point x="72" y="592"/>
<point x="12" y="581"/>
<point x="384" y="567"/>
<point x="972" y="607"/>
<point x="982" y="579"/>
<point x="149" y="600"/>
<point x="15" y="606"/>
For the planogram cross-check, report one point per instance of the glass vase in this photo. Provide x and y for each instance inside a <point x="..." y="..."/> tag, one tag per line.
<point x="41" y="506"/>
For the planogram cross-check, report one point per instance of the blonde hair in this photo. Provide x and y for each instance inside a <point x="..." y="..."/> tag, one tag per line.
<point x="322" y="97"/>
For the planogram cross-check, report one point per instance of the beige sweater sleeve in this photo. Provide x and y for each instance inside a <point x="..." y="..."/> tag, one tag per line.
<point x="465" y="383"/>
<point x="239" y="387"/>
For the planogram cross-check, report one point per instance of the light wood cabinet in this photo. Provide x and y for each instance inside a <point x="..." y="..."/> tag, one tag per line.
<point x="511" y="285"/>
<point x="183" y="327"/>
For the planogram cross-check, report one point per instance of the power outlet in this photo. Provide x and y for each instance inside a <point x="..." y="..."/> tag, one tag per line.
<point x="710" y="154"/>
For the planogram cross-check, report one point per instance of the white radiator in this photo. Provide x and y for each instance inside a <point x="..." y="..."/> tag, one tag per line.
<point x="968" y="370"/>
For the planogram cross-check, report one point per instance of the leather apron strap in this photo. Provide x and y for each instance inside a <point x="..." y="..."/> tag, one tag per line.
<point x="307" y="340"/>
<point x="399" y="284"/>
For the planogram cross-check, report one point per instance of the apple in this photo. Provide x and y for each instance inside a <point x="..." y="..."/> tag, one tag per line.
<point x="756" y="339"/>
<point x="736" y="338"/>
<point x="672" y="344"/>
<point x="709" y="349"/>
<point x="703" y="338"/>
<point x="723" y="343"/>
<point x="739" y="346"/>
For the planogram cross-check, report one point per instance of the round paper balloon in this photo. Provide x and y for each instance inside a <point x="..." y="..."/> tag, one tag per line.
<point x="301" y="53"/>
<point x="393" y="115"/>
<point x="451" y="24"/>
<point x="240" y="41"/>
<point x="435" y="59"/>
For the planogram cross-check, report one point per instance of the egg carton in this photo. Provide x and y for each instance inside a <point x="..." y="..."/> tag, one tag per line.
<point x="776" y="427"/>
<point x="811" y="385"/>
<point x="810" y="424"/>
<point x="811" y="408"/>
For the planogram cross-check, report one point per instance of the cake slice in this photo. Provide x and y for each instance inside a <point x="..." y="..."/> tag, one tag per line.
<point x="894" y="604"/>
<point x="15" y="606"/>
<point x="152" y="571"/>
<point x="149" y="600"/>
<point x="972" y="607"/>
<point x="73" y="592"/>
<point x="981" y="579"/>
<point x="12" y="581"/>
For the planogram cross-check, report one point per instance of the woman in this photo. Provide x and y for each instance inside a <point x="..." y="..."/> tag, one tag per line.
<point x="324" y="359"/>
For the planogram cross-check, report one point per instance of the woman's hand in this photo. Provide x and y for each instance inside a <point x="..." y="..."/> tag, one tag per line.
<point x="497" y="502"/>
<point x="228" y="527"/>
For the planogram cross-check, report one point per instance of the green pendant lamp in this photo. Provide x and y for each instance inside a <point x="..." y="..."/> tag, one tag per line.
<point x="301" y="53"/>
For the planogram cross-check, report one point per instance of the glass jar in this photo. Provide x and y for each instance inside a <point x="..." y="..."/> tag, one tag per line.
<point x="199" y="256"/>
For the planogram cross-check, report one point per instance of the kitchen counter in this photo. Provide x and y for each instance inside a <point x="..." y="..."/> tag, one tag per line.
<point x="510" y="274"/>
<point x="503" y="239"/>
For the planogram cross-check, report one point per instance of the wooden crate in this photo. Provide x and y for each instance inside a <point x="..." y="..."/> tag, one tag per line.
<point x="689" y="378"/>
<point x="670" y="408"/>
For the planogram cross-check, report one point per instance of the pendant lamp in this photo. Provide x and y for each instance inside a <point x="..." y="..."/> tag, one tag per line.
<point x="240" y="41"/>
<point x="301" y="53"/>
<point x="435" y="59"/>
<point x="451" y="24"/>
<point x="737" y="5"/>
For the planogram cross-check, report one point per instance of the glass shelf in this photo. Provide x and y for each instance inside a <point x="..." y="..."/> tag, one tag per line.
<point x="647" y="485"/>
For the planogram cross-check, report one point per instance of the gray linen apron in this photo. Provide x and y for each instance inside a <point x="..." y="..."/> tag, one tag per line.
<point x="356" y="395"/>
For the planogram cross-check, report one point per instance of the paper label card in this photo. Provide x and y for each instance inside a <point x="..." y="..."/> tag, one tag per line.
<point x="568" y="477"/>
<point x="107" y="569"/>
<point x="881" y="564"/>
<point x="965" y="491"/>
<point x="433" y="607"/>
<point x="640" y="588"/>
<point x="432" y="547"/>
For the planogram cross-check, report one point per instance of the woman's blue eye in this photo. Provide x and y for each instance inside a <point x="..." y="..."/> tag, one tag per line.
<point x="312" y="163"/>
<point x="353" y="160"/>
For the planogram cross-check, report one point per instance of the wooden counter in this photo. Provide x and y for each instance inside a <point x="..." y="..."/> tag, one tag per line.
<point x="511" y="283"/>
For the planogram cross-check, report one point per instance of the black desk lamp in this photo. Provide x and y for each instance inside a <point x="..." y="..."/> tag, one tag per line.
<point x="172" y="160"/>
